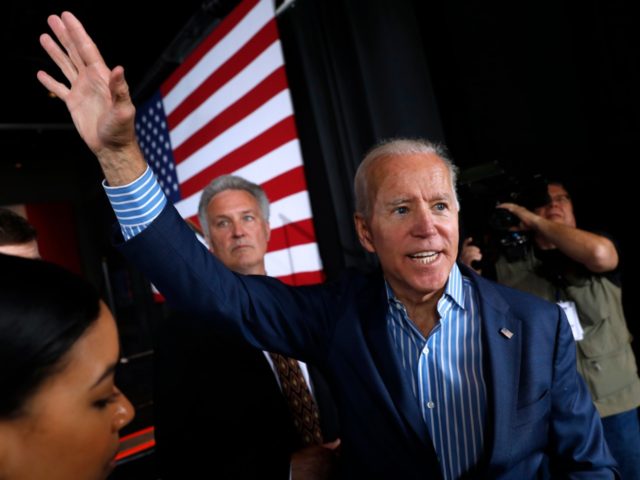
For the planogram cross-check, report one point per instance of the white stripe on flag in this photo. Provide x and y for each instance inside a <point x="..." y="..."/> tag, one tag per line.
<point x="273" y="164"/>
<point x="270" y="113"/>
<point x="298" y="259"/>
<point x="226" y="95"/>
<point x="290" y="209"/>
<point x="226" y="48"/>
<point x="267" y="167"/>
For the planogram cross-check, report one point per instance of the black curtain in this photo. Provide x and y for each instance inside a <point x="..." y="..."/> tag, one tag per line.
<point x="356" y="77"/>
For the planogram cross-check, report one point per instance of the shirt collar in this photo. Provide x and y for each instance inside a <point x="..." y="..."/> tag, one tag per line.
<point x="453" y="290"/>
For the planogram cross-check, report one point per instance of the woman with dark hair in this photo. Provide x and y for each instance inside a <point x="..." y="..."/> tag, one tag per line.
<point x="60" y="411"/>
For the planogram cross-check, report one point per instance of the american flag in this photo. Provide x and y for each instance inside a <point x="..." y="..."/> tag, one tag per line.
<point x="227" y="110"/>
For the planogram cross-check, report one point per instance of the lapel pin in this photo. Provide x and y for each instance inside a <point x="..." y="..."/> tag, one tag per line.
<point x="506" y="332"/>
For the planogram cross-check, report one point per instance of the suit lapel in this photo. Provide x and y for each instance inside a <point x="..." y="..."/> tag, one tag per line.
<point x="502" y="343"/>
<point x="373" y="313"/>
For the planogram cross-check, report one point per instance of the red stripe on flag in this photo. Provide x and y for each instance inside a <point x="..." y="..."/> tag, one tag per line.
<point x="208" y="43"/>
<point x="282" y="132"/>
<point x="292" y="234"/>
<point x="260" y="94"/>
<point x="286" y="184"/>
<point x="229" y="69"/>
<point x="303" y="278"/>
<point x="134" y="450"/>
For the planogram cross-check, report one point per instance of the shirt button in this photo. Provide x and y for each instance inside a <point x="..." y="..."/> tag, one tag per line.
<point x="430" y="404"/>
<point x="426" y="349"/>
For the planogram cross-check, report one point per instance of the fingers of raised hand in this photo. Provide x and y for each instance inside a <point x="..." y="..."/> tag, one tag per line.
<point x="80" y="49"/>
<point x="81" y="42"/>
<point x="60" y="58"/>
<point x="62" y="34"/>
<point x="55" y="87"/>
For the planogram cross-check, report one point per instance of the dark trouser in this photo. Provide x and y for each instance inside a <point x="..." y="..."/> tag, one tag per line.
<point x="622" y="432"/>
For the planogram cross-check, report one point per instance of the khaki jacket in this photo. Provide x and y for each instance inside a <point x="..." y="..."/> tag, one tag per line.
<point x="605" y="357"/>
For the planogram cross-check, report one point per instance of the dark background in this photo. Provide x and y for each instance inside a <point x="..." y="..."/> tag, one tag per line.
<point x="547" y="87"/>
<point x="514" y="89"/>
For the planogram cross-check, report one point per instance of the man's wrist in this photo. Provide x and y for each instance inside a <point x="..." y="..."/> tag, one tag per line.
<point x="122" y="166"/>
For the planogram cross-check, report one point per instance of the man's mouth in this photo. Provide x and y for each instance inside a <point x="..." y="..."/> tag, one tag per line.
<point x="424" y="257"/>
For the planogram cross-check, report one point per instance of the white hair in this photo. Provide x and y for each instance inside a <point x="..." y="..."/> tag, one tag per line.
<point x="230" y="182"/>
<point x="395" y="147"/>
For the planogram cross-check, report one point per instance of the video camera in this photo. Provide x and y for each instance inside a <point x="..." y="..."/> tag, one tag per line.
<point x="510" y="239"/>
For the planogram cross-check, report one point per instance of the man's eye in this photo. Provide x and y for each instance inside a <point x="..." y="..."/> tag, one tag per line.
<point x="441" y="206"/>
<point x="222" y="224"/>
<point x="248" y="218"/>
<point x="401" y="210"/>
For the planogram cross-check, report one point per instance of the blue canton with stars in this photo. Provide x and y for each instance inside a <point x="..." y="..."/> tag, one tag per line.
<point x="153" y="138"/>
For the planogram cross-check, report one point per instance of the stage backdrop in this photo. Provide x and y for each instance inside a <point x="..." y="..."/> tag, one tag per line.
<point x="227" y="110"/>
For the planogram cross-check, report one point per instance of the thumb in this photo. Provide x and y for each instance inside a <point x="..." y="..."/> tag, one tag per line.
<point x="467" y="241"/>
<point x="118" y="86"/>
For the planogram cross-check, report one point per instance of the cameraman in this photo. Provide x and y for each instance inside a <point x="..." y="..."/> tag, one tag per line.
<point x="579" y="270"/>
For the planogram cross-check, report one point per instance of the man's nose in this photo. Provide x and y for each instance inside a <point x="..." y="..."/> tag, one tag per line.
<point x="238" y="230"/>
<point x="423" y="223"/>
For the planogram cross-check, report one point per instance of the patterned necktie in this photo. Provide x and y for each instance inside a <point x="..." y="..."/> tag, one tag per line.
<point x="303" y="408"/>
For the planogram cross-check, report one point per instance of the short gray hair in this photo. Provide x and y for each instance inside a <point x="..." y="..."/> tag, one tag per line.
<point x="230" y="182"/>
<point x="395" y="147"/>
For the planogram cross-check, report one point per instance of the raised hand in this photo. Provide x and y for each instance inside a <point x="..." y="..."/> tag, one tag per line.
<point x="97" y="98"/>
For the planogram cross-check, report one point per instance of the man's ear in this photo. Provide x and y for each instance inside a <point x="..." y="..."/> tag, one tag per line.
<point x="364" y="234"/>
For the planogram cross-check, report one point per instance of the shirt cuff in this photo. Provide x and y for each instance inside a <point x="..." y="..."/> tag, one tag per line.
<point x="136" y="204"/>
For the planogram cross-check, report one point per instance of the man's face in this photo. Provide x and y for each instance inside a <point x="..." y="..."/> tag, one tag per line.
<point x="412" y="224"/>
<point x="238" y="233"/>
<point x="560" y="209"/>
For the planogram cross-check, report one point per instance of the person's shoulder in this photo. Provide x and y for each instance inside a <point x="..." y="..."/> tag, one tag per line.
<point x="516" y="300"/>
<point x="524" y="301"/>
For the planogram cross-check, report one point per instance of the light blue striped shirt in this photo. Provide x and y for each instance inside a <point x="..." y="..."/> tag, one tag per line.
<point x="137" y="204"/>
<point x="445" y="372"/>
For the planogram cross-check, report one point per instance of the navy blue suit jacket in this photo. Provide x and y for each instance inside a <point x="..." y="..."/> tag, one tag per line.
<point x="537" y="403"/>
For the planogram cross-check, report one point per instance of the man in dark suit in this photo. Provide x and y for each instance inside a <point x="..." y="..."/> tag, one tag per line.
<point x="436" y="373"/>
<point x="218" y="403"/>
